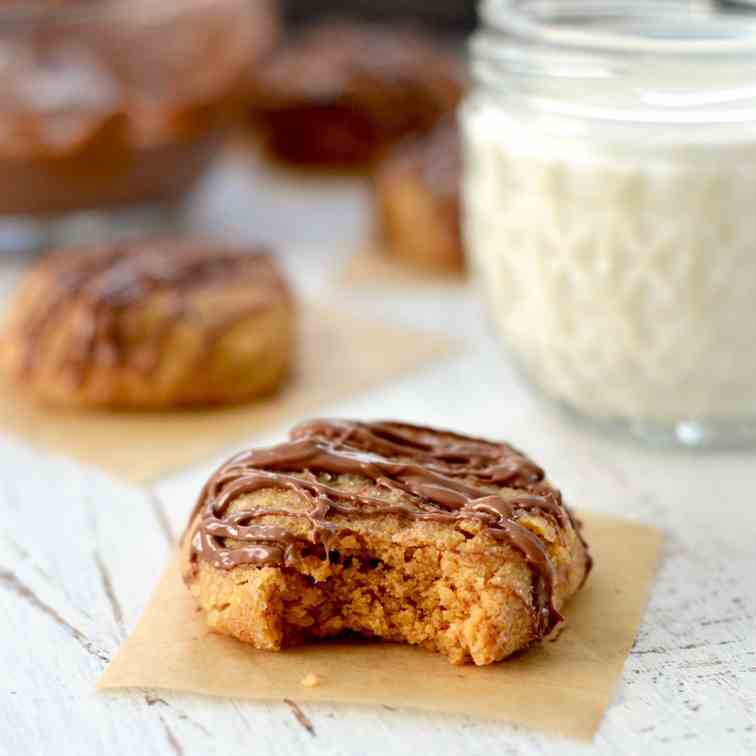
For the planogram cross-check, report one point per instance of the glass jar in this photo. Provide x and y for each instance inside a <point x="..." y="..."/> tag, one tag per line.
<point x="111" y="110"/>
<point x="610" y="208"/>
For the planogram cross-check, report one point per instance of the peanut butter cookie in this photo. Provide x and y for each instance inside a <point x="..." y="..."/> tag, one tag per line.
<point x="340" y="92"/>
<point x="148" y="325"/>
<point x="417" y="188"/>
<point x="388" y="530"/>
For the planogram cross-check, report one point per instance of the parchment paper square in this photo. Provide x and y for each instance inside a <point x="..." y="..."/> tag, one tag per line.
<point x="562" y="686"/>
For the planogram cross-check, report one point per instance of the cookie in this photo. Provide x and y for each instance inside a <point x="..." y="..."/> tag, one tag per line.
<point x="417" y="194"/>
<point x="339" y="93"/>
<point x="149" y="325"/>
<point x="387" y="530"/>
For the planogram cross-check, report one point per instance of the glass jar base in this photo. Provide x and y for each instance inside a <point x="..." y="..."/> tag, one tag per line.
<point x="685" y="434"/>
<point x="703" y="434"/>
<point x="30" y="233"/>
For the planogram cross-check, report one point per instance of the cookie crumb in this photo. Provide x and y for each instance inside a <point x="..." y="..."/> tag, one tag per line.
<point x="310" y="680"/>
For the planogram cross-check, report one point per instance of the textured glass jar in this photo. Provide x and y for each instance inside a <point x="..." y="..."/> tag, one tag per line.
<point x="610" y="208"/>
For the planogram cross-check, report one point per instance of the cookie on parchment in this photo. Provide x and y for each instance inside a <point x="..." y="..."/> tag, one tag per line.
<point x="388" y="530"/>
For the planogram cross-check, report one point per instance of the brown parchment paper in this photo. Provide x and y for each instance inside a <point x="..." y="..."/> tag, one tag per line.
<point x="561" y="686"/>
<point x="337" y="356"/>
<point x="368" y="265"/>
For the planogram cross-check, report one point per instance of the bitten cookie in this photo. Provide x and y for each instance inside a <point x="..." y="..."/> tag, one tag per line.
<point x="340" y="92"/>
<point x="388" y="530"/>
<point x="417" y="190"/>
<point x="150" y="324"/>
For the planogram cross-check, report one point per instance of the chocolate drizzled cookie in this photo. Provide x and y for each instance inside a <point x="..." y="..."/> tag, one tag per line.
<point x="376" y="509"/>
<point x="341" y="92"/>
<point x="149" y="323"/>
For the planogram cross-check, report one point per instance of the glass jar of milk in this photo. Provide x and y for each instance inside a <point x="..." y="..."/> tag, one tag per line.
<point x="610" y="208"/>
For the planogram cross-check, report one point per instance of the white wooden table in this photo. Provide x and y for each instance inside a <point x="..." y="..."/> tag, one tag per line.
<point x="80" y="553"/>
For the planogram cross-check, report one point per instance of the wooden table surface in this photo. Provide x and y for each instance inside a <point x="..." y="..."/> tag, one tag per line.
<point x="80" y="552"/>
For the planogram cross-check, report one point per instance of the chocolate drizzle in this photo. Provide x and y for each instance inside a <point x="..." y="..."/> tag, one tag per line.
<point x="94" y="285"/>
<point x="439" y="476"/>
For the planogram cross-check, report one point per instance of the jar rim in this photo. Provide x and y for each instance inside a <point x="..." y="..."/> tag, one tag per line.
<point x="672" y="28"/>
<point x="624" y="62"/>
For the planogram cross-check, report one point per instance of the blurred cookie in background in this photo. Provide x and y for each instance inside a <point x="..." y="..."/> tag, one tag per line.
<point x="150" y="325"/>
<point x="417" y="194"/>
<point x="338" y="93"/>
<point x="115" y="108"/>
